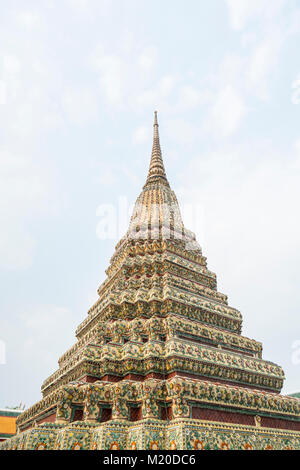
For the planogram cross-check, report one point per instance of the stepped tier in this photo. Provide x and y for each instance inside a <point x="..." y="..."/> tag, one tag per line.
<point x="155" y="434"/>
<point x="172" y="326"/>
<point x="164" y="347"/>
<point x="162" y="399"/>
<point x="160" y="362"/>
<point x="158" y="277"/>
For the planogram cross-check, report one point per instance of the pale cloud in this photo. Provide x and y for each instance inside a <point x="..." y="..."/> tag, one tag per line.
<point x="294" y="26"/>
<point x="27" y="109"/>
<point x="112" y="75"/>
<point x="28" y="19"/>
<point x="166" y="85"/>
<point x="3" y="92"/>
<point x="295" y="98"/>
<point x="44" y="330"/>
<point x="80" y="4"/>
<point x="263" y="35"/>
<point x="17" y="246"/>
<point x="296" y="162"/>
<point x="148" y="58"/>
<point x="108" y="176"/>
<point x="226" y="97"/>
<point x="262" y="63"/>
<point x="141" y="135"/>
<point x="80" y="106"/>
<point x="264" y="30"/>
<point x="148" y="98"/>
<point x="24" y="188"/>
<point x="127" y="78"/>
<point x="35" y="99"/>
<point x="191" y="97"/>
<point x="11" y="65"/>
<point x="29" y="104"/>
<point x="226" y="113"/>
<point x="231" y="71"/>
<point x="263" y="193"/>
<point x="243" y="11"/>
<point x="22" y="182"/>
<point x="182" y="130"/>
<point x="2" y="352"/>
<point x="37" y="336"/>
<point x="297" y="147"/>
<point x="44" y="317"/>
<point x="248" y="39"/>
<point x="89" y="8"/>
<point x="158" y="95"/>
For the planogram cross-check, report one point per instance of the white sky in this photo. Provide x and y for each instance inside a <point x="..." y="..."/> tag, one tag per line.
<point x="79" y="80"/>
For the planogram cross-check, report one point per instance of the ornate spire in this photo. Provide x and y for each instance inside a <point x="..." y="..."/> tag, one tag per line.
<point x="156" y="169"/>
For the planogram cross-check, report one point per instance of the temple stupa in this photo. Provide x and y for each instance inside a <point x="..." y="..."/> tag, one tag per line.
<point x="160" y="361"/>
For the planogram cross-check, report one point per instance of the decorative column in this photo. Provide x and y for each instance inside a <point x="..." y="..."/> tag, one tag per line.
<point x="119" y="408"/>
<point x="180" y="406"/>
<point x="64" y="407"/>
<point x="150" y="408"/>
<point x="91" y="409"/>
<point x="155" y="328"/>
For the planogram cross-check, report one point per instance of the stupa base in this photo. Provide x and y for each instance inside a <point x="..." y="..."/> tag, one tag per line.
<point x="179" y="434"/>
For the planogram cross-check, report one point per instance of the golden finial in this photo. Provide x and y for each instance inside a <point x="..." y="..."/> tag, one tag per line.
<point x="157" y="169"/>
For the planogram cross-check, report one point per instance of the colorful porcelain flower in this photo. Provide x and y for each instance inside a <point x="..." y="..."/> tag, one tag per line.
<point x="173" y="445"/>
<point x="224" y="446"/>
<point x="114" y="446"/>
<point x="76" y="446"/>
<point x="154" y="445"/>
<point x="198" y="445"/>
<point x="41" y="446"/>
<point x="248" y="447"/>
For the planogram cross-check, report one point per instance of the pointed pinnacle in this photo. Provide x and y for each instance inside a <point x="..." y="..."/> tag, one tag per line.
<point x="156" y="169"/>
